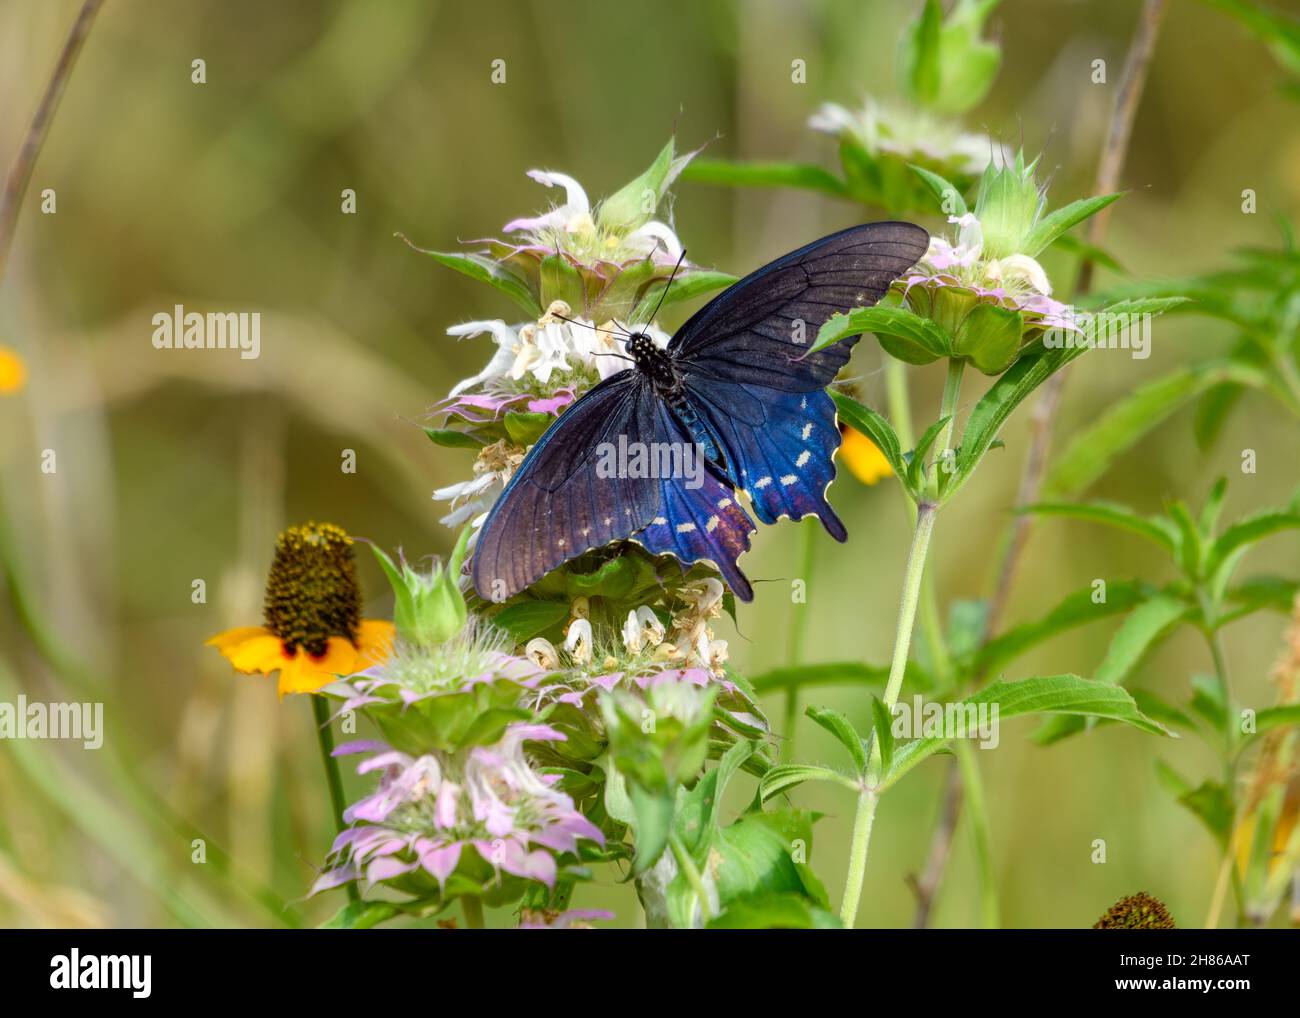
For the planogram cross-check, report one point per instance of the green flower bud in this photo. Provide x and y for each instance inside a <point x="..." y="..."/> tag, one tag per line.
<point x="1007" y="207"/>
<point x="634" y="204"/>
<point x="980" y="331"/>
<point x="429" y="608"/>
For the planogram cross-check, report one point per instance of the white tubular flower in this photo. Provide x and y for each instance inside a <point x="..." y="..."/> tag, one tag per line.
<point x="541" y="652"/>
<point x="578" y="641"/>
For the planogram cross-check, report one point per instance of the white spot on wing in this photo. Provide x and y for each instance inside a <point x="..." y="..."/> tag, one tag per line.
<point x="804" y="457"/>
<point x="685" y="528"/>
<point x="788" y="479"/>
<point x="762" y="482"/>
<point x="807" y="430"/>
<point x="712" y="524"/>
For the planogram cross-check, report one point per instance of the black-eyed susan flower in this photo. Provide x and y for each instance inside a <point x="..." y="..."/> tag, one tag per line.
<point x="13" y="372"/>
<point x="313" y="630"/>
<point x="863" y="458"/>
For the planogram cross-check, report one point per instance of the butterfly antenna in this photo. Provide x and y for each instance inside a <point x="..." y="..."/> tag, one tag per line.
<point x="680" y="259"/>
<point x="585" y="325"/>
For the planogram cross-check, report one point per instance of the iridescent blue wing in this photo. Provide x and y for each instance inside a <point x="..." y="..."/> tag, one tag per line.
<point x="556" y="505"/>
<point x="779" y="446"/>
<point x="758" y="330"/>
<point x="750" y="379"/>
<point x="699" y="518"/>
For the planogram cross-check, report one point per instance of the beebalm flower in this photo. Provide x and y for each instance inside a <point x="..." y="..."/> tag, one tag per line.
<point x="481" y="815"/>
<point x="909" y="134"/>
<point x="13" y="371"/>
<point x="470" y="500"/>
<point x="601" y="259"/>
<point x="313" y="631"/>
<point x="1136" y="912"/>
<point x="560" y="352"/>
<point x="985" y="289"/>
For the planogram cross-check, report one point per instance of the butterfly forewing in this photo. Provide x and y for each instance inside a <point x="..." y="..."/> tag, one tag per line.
<point x="759" y="330"/>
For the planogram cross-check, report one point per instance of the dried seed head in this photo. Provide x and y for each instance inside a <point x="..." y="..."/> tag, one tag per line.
<point x="1136" y="912"/>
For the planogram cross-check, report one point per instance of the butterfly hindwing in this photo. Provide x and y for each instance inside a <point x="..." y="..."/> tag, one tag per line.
<point x="779" y="446"/>
<point x="758" y="331"/>
<point x="699" y="523"/>
<point x="557" y="505"/>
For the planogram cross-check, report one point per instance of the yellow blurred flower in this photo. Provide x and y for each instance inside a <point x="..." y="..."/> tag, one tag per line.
<point x="13" y="372"/>
<point x="313" y="629"/>
<point x="864" y="459"/>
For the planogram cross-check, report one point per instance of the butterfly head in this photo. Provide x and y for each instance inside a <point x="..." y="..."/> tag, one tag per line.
<point x="652" y="361"/>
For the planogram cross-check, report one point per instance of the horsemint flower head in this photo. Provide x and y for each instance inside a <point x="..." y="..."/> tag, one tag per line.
<point x="671" y="663"/>
<point x="537" y="371"/>
<point x="604" y="261"/>
<point x="313" y="631"/>
<point x="986" y="291"/>
<point x="910" y="135"/>
<point x="446" y="824"/>
<point x="1136" y="912"/>
<point x="13" y="372"/>
<point x="448" y="679"/>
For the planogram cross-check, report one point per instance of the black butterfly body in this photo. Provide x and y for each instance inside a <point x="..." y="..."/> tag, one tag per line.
<point x="737" y="385"/>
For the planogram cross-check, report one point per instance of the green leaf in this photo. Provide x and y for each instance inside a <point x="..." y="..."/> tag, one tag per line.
<point x="840" y="727"/>
<point x="883" y="724"/>
<point x="1142" y="306"/>
<point x="852" y="673"/>
<point x="1277" y="717"/>
<point x="527" y="619"/>
<point x="786" y="911"/>
<point x="560" y="280"/>
<point x="450" y="438"/>
<point x="1212" y="805"/>
<point x="916" y="466"/>
<point x="525" y="427"/>
<point x="1212" y="411"/>
<point x="1052" y="225"/>
<point x="1208" y="701"/>
<point x="1095" y="448"/>
<point x="765" y="174"/>
<point x="1209" y="521"/>
<point x="653" y="811"/>
<point x="875" y="427"/>
<point x="942" y="190"/>
<point x="683" y="287"/>
<point x="1227" y="549"/>
<point x="1143" y="628"/>
<point x="784" y="777"/>
<point x="1160" y="710"/>
<point x="1260" y="593"/>
<point x="1051" y="694"/>
<point x="1154" y="528"/>
<point x="991" y="411"/>
<point x="1076" y="609"/>
<point x="485" y="270"/>
<point x="919" y="340"/>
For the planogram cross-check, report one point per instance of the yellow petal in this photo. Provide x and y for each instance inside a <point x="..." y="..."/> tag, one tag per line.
<point x="233" y="637"/>
<point x="374" y="642"/>
<point x="307" y="674"/>
<point x="263" y="654"/>
<point x="13" y="372"/>
<point x="864" y="460"/>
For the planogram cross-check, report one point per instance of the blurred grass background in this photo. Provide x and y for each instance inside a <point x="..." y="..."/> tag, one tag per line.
<point x="174" y="467"/>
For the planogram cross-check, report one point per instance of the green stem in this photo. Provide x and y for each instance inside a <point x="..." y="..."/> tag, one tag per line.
<point x="325" y="737"/>
<point x="472" y="909"/>
<point x="798" y="630"/>
<point x="868" y="797"/>
<point x="692" y="873"/>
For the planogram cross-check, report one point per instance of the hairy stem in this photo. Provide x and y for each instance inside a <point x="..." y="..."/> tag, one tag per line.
<point x="868" y="797"/>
